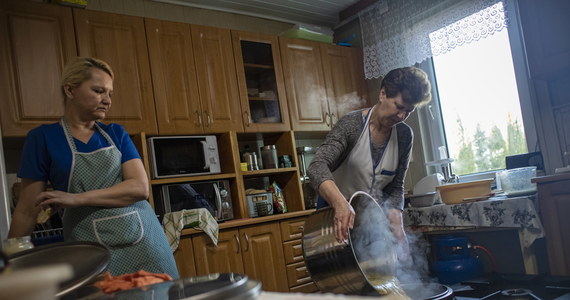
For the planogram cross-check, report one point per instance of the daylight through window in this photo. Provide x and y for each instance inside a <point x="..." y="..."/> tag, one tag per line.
<point x="480" y="104"/>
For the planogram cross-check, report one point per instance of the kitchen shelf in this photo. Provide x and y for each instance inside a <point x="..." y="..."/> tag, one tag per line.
<point x="193" y="178"/>
<point x="257" y="66"/>
<point x="267" y="172"/>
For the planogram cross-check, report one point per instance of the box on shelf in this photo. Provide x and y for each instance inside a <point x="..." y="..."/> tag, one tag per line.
<point x="310" y="32"/>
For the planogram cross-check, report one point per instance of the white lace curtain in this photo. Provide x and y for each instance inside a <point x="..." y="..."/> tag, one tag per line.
<point x="399" y="33"/>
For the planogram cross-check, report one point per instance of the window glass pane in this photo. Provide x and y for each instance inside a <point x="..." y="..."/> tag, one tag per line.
<point x="480" y="104"/>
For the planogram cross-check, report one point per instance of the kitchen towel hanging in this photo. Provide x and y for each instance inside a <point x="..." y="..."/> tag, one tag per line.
<point x="199" y="219"/>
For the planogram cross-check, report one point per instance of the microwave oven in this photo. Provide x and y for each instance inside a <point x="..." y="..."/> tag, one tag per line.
<point x="213" y="195"/>
<point x="176" y="156"/>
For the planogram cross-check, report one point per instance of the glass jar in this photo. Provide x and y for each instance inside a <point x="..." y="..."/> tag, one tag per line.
<point x="17" y="244"/>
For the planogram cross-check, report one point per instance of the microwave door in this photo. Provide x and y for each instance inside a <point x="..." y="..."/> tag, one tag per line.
<point x="218" y="201"/>
<point x="206" y="157"/>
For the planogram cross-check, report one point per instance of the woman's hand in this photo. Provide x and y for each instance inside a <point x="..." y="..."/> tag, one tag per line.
<point x="397" y="228"/>
<point x="343" y="220"/>
<point x="58" y="199"/>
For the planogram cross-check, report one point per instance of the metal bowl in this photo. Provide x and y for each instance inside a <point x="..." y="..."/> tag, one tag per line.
<point x="88" y="260"/>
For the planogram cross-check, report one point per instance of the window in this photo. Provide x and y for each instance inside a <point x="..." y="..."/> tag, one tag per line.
<point x="478" y="109"/>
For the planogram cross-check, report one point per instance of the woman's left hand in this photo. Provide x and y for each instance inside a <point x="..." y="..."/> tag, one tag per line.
<point x="57" y="199"/>
<point x="397" y="228"/>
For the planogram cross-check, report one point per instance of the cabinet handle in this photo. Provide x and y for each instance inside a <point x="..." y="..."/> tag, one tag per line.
<point x="246" y="241"/>
<point x="208" y="118"/>
<point x="332" y="120"/>
<point x="247" y="119"/>
<point x="327" y="119"/>
<point x="301" y="228"/>
<point x="238" y="245"/>
<point x="198" y="117"/>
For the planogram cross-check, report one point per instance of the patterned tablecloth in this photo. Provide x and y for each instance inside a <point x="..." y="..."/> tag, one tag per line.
<point x="517" y="212"/>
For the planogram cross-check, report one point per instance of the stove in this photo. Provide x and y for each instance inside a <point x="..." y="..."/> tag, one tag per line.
<point x="516" y="287"/>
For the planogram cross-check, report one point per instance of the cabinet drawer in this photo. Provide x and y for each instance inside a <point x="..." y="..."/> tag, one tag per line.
<point x="297" y="274"/>
<point x="293" y="251"/>
<point x="308" y="287"/>
<point x="292" y="229"/>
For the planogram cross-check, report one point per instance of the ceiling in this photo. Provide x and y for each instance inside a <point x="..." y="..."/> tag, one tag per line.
<point x="313" y="12"/>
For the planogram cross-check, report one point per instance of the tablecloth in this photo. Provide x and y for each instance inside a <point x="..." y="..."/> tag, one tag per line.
<point x="199" y="219"/>
<point x="516" y="212"/>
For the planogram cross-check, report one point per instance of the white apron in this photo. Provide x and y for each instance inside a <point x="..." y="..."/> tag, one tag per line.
<point x="358" y="172"/>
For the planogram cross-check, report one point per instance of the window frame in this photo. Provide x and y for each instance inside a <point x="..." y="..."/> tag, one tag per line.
<point x="430" y="117"/>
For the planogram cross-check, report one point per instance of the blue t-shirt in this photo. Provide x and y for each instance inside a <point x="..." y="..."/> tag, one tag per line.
<point x="47" y="156"/>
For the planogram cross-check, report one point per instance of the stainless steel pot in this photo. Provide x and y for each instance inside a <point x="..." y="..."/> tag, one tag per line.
<point x="347" y="268"/>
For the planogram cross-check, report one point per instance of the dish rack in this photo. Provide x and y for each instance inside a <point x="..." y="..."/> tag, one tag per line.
<point x="47" y="236"/>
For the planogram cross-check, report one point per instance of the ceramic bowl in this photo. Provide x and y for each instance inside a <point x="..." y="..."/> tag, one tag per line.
<point x="423" y="200"/>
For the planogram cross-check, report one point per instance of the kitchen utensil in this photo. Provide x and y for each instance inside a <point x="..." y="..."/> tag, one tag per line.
<point x="87" y="259"/>
<point x="428" y="291"/>
<point x="454" y="193"/>
<point x="423" y="200"/>
<point x="309" y="193"/>
<point x="516" y="182"/>
<point x="346" y="268"/>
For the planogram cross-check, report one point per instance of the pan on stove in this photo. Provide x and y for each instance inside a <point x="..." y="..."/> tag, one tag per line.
<point x="88" y="260"/>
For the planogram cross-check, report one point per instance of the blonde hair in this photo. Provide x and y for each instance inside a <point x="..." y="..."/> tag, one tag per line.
<point x="78" y="70"/>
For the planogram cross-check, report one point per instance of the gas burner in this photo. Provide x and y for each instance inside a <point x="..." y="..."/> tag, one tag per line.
<point x="517" y="294"/>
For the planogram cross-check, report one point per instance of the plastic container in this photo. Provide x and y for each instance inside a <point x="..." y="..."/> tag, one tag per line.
<point x="516" y="182"/>
<point x="18" y="244"/>
<point x="309" y="32"/>
<point x="456" y="193"/>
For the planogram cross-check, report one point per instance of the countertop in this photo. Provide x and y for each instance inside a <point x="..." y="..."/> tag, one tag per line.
<point x="327" y="296"/>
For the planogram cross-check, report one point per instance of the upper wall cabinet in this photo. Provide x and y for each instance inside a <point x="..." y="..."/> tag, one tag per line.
<point x="305" y="82"/>
<point x="260" y="80"/>
<point x="37" y="40"/>
<point x="120" y="41"/>
<point x="176" y="98"/>
<point x="344" y="80"/>
<point x="217" y="83"/>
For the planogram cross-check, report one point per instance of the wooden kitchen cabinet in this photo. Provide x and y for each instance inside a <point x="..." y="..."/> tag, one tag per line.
<point x="323" y="82"/>
<point x="184" y="257"/>
<point x="344" y="80"/>
<point x="255" y="251"/>
<point x="298" y="276"/>
<point x="554" y="203"/>
<point x="120" y="40"/>
<point x="217" y="83"/>
<point x="305" y="84"/>
<point x="260" y="80"/>
<point x="174" y="79"/>
<point x="37" y="40"/>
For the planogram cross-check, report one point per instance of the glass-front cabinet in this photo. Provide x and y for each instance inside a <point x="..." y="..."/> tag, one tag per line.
<point x="261" y="84"/>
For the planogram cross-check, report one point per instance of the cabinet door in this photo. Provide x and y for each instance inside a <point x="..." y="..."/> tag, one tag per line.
<point x="344" y="77"/>
<point x="260" y="80"/>
<point x="120" y="41"/>
<point x="305" y="84"/>
<point x="184" y="256"/>
<point x="263" y="256"/>
<point x="223" y="258"/>
<point x="174" y="82"/>
<point x="37" y="40"/>
<point x="217" y="81"/>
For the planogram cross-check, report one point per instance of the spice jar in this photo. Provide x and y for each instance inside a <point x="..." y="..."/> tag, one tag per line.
<point x="269" y="157"/>
<point x="17" y="244"/>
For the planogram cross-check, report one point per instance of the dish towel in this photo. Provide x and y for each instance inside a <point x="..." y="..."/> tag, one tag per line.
<point x="199" y="219"/>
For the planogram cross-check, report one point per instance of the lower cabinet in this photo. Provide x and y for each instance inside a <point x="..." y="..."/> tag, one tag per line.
<point x="255" y="251"/>
<point x="269" y="252"/>
<point x="298" y="276"/>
